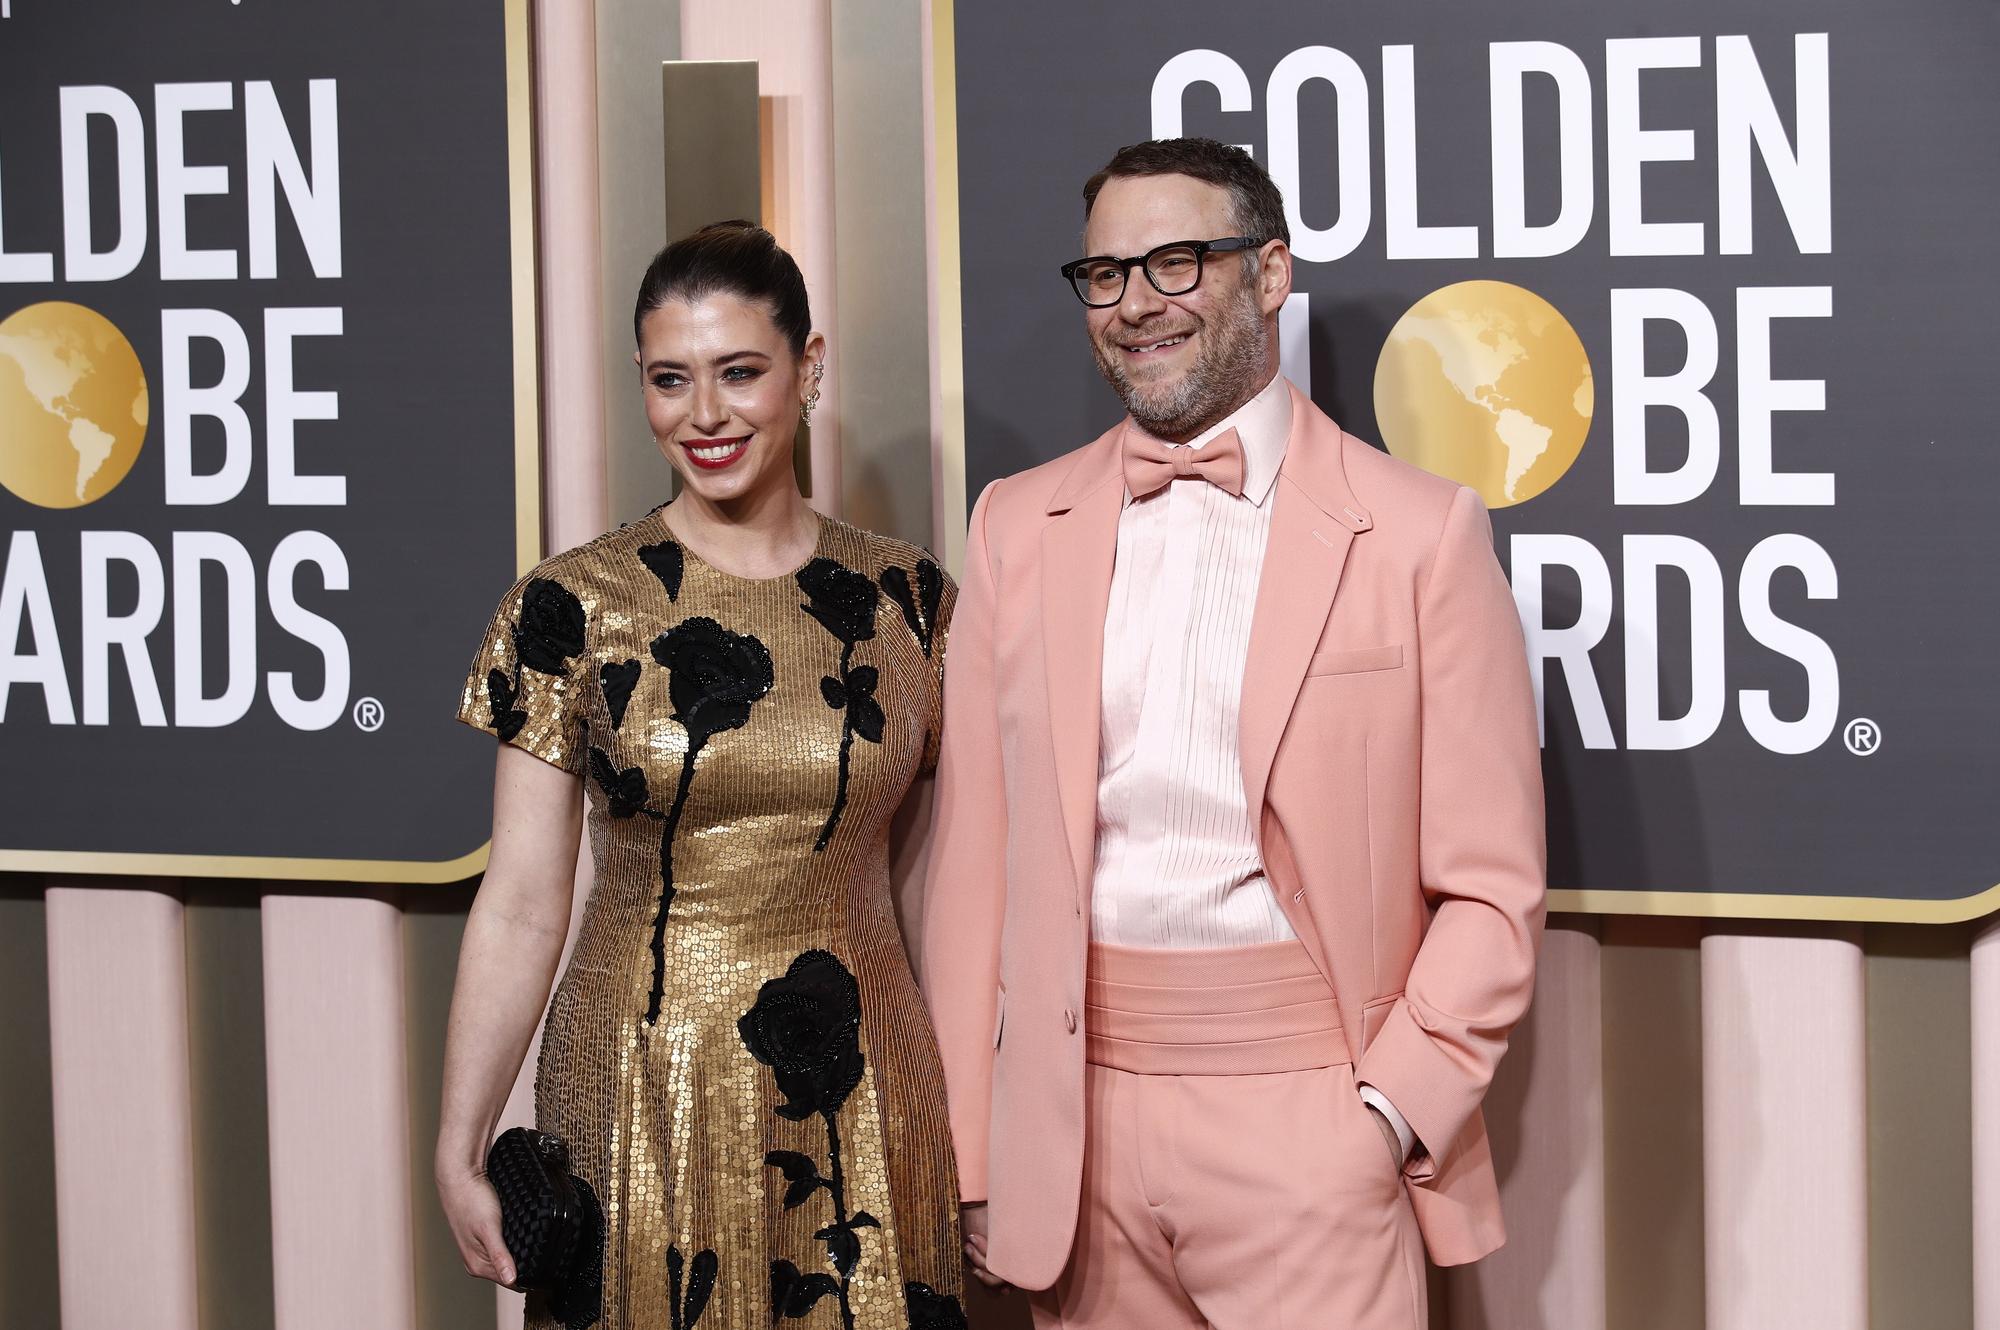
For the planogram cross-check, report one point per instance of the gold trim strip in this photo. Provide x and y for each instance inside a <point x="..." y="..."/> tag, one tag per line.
<point x="527" y="303"/>
<point x="112" y="864"/>
<point x="1766" y="905"/>
<point x="950" y="349"/>
<point x="527" y="533"/>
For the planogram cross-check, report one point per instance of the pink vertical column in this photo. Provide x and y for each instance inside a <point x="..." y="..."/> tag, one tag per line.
<point x="118" y="1036"/>
<point x="1785" y="1131"/>
<point x="1986" y="1128"/>
<point x="1546" y="1115"/>
<point x="570" y="293"/>
<point x="339" y="1111"/>
<point x="792" y="43"/>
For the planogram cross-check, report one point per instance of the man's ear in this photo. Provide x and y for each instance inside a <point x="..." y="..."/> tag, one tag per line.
<point x="1274" y="276"/>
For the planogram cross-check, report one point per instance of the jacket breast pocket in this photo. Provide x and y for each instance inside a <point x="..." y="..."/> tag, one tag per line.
<point x="1360" y="660"/>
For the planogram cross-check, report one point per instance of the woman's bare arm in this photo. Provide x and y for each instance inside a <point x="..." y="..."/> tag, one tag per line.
<point x="513" y="941"/>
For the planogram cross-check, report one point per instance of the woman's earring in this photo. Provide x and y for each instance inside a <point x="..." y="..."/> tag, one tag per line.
<point x="812" y="398"/>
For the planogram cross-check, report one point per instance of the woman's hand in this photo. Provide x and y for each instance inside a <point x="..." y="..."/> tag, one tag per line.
<point x="472" y="1209"/>
<point x="972" y="1221"/>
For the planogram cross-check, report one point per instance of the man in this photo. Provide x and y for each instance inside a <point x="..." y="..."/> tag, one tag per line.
<point x="1238" y="873"/>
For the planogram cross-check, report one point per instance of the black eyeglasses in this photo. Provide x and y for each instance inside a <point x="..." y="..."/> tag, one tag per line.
<point x="1174" y="269"/>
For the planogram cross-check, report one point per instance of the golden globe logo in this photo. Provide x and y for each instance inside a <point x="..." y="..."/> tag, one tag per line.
<point x="73" y="405"/>
<point x="1486" y="383"/>
<point x="76" y="404"/>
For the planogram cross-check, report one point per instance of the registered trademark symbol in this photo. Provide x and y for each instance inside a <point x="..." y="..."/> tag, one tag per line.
<point x="1863" y="736"/>
<point x="368" y="715"/>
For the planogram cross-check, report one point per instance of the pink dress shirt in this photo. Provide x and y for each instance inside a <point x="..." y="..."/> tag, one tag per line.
<point x="1177" y="857"/>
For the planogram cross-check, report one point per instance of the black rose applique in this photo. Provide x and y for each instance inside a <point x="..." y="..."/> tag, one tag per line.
<point x="618" y="679"/>
<point x="806" y="1027"/>
<point x="667" y="563"/>
<point x="550" y="630"/>
<point x="931" y="1310"/>
<point x="714" y="677"/>
<point x="845" y="602"/>
<point x="841" y="599"/>
<point x="919" y="606"/>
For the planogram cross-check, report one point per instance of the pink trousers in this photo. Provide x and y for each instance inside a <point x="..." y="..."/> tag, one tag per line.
<point x="1232" y="1176"/>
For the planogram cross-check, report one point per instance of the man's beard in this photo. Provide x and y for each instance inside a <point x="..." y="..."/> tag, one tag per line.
<point x="1227" y="371"/>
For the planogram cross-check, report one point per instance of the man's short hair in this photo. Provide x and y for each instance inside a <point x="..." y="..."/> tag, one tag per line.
<point x="1255" y="203"/>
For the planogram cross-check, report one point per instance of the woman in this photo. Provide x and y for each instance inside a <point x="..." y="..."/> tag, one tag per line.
<point x="737" y="1054"/>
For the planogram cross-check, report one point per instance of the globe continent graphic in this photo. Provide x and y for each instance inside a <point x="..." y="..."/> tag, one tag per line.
<point x="73" y="405"/>
<point x="1485" y="383"/>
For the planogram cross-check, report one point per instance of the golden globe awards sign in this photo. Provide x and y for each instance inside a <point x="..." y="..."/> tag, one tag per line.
<point x="266" y="428"/>
<point x="1700" y="305"/>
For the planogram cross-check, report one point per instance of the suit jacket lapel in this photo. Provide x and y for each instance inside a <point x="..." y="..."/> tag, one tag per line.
<point x="1078" y="550"/>
<point x="1315" y="521"/>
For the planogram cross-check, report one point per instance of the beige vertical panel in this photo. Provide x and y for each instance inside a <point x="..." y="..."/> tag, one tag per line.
<point x="1919" y="1125"/>
<point x="878" y="152"/>
<point x="943" y="308"/>
<point x="1784" y="1097"/>
<point x="118" y="1037"/>
<point x="1653" y="1234"/>
<point x="633" y="37"/>
<point x="1985" y="1035"/>
<point x="232" y="1159"/>
<point x="28" y="1179"/>
<point x="340" y="1127"/>
<point x="791" y="41"/>
<point x="1546" y="1115"/>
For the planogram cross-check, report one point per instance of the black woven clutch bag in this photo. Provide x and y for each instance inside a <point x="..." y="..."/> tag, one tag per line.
<point x="551" y="1222"/>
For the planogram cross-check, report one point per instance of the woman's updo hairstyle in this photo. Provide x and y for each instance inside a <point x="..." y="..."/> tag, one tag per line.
<point x="738" y="257"/>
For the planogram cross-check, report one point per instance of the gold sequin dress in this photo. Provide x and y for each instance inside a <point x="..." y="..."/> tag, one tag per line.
<point x="737" y="1053"/>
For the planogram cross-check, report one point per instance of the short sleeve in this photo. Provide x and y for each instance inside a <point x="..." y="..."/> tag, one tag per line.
<point x="925" y="594"/>
<point x="523" y="686"/>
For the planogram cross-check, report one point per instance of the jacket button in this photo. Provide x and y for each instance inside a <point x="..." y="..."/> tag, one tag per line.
<point x="1069" y="1018"/>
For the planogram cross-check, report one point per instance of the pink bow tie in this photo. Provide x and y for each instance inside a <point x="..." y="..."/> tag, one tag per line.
<point x="1151" y="465"/>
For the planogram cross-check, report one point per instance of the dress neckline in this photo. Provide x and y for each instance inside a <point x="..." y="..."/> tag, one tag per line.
<point x="823" y="529"/>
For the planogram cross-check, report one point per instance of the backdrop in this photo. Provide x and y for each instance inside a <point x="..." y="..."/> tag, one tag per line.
<point x="267" y="434"/>
<point x="1700" y="310"/>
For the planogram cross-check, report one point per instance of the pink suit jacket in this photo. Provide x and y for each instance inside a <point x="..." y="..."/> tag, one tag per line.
<point x="1388" y="737"/>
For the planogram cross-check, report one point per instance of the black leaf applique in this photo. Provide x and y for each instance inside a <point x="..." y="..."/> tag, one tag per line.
<point x="684" y="1312"/>
<point x="714" y="677"/>
<point x="500" y="696"/>
<point x="845" y="602"/>
<point x="801" y="1173"/>
<point x="843" y="1244"/>
<point x="550" y="629"/>
<point x="624" y="791"/>
<point x="920" y="607"/>
<point x="618" y="680"/>
<point x="794" y="1294"/>
<point x="667" y="563"/>
<point x="931" y="1310"/>
<point x="806" y="1027"/>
